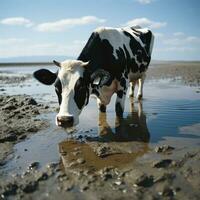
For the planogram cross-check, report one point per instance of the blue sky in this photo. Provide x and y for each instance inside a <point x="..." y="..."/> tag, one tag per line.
<point x="61" y="27"/>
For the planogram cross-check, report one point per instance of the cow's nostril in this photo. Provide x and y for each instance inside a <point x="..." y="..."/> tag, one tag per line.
<point x="65" y="121"/>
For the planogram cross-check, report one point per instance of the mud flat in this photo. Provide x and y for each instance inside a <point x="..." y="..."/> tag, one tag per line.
<point x="152" y="153"/>
<point x="18" y="120"/>
<point x="187" y="72"/>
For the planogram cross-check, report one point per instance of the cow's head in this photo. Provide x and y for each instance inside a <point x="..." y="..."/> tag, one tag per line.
<point x="72" y="89"/>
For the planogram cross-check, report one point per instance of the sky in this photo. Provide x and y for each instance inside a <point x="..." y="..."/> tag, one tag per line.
<point x="62" y="27"/>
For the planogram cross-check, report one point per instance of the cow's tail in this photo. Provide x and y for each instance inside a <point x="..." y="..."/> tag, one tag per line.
<point x="151" y="43"/>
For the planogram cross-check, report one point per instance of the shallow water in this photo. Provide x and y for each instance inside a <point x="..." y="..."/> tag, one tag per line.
<point x="170" y="112"/>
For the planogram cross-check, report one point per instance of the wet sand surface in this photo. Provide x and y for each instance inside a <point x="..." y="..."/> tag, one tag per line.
<point x="152" y="153"/>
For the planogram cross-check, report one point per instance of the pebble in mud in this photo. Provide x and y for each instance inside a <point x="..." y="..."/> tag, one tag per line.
<point x="163" y="149"/>
<point x="166" y="191"/>
<point x="42" y="176"/>
<point x="29" y="187"/>
<point x="144" y="181"/>
<point x="80" y="161"/>
<point x="34" y="165"/>
<point x="9" y="189"/>
<point x="162" y="163"/>
<point x="106" y="173"/>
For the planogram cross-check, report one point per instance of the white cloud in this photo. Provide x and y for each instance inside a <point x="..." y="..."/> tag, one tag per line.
<point x="14" y="47"/>
<point x="144" y="1"/>
<point x="178" y="34"/>
<point x="144" y="22"/>
<point x="12" y="41"/>
<point x="17" y="21"/>
<point x="64" y="24"/>
<point x="181" y="41"/>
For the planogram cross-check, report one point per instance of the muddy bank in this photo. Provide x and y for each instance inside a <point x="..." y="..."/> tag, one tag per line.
<point x="18" y="121"/>
<point x="7" y="77"/>
<point x="80" y="175"/>
<point x="187" y="72"/>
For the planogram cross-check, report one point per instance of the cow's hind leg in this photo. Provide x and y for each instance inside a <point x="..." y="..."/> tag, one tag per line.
<point x="140" y="87"/>
<point x="132" y="88"/>
<point x="101" y="107"/>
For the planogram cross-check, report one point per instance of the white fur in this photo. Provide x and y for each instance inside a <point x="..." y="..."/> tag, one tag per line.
<point x="118" y="39"/>
<point x="68" y="74"/>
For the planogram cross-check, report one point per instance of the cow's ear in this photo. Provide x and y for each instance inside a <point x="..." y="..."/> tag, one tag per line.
<point x="45" y="76"/>
<point x="56" y="63"/>
<point x="100" y="77"/>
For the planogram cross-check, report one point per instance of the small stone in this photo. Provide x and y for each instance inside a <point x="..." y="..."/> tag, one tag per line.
<point x="167" y="192"/>
<point x="80" y="161"/>
<point x="30" y="187"/>
<point x="163" y="149"/>
<point x="22" y="137"/>
<point x="162" y="164"/>
<point x="33" y="165"/>
<point x="118" y="182"/>
<point x="9" y="138"/>
<point x="10" y="189"/>
<point x="84" y="187"/>
<point x="42" y="176"/>
<point x="31" y="101"/>
<point x="68" y="187"/>
<point x="51" y="165"/>
<point x="144" y="181"/>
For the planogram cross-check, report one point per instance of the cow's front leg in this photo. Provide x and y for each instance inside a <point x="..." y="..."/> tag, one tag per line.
<point x="140" y="87"/>
<point x="120" y="102"/>
<point x="101" y="106"/>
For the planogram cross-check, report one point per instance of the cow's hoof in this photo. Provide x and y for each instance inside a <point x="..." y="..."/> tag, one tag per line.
<point x="139" y="97"/>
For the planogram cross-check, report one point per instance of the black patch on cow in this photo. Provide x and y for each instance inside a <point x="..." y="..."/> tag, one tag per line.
<point x="81" y="93"/>
<point x="58" y="88"/>
<point x="139" y="51"/>
<point x="95" y="92"/>
<point x="101" y="56"/>
<point x="123" y="83"/>
<point x="118" y="109"/>
<point x="45" y="76"/>
<point x="120" y="94"/>
<point x="102" y="108"/>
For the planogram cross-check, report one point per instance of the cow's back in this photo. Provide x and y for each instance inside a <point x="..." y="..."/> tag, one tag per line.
<point x="119" y="50"/>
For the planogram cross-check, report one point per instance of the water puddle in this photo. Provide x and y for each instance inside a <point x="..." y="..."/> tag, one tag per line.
<point x="169" y="114"/>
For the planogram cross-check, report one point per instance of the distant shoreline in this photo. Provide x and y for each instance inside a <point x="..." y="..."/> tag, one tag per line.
<point x="25" y="63"/>
<point x="153" y="63"/>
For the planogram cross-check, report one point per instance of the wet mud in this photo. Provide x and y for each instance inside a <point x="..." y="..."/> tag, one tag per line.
<point x="152" y="152"/>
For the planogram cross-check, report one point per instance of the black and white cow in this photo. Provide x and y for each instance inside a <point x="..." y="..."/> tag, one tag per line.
<point x="111" y="59"/>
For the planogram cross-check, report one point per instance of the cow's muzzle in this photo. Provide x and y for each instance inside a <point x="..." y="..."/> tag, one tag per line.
<point x="65" y="121"/>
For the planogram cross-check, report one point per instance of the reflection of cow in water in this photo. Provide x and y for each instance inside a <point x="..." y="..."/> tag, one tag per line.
<point x="117" y="148"/>
<point x="131" y="128"/>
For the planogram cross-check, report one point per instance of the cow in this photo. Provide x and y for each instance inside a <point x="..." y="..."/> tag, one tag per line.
<point x="111" y="59"/>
